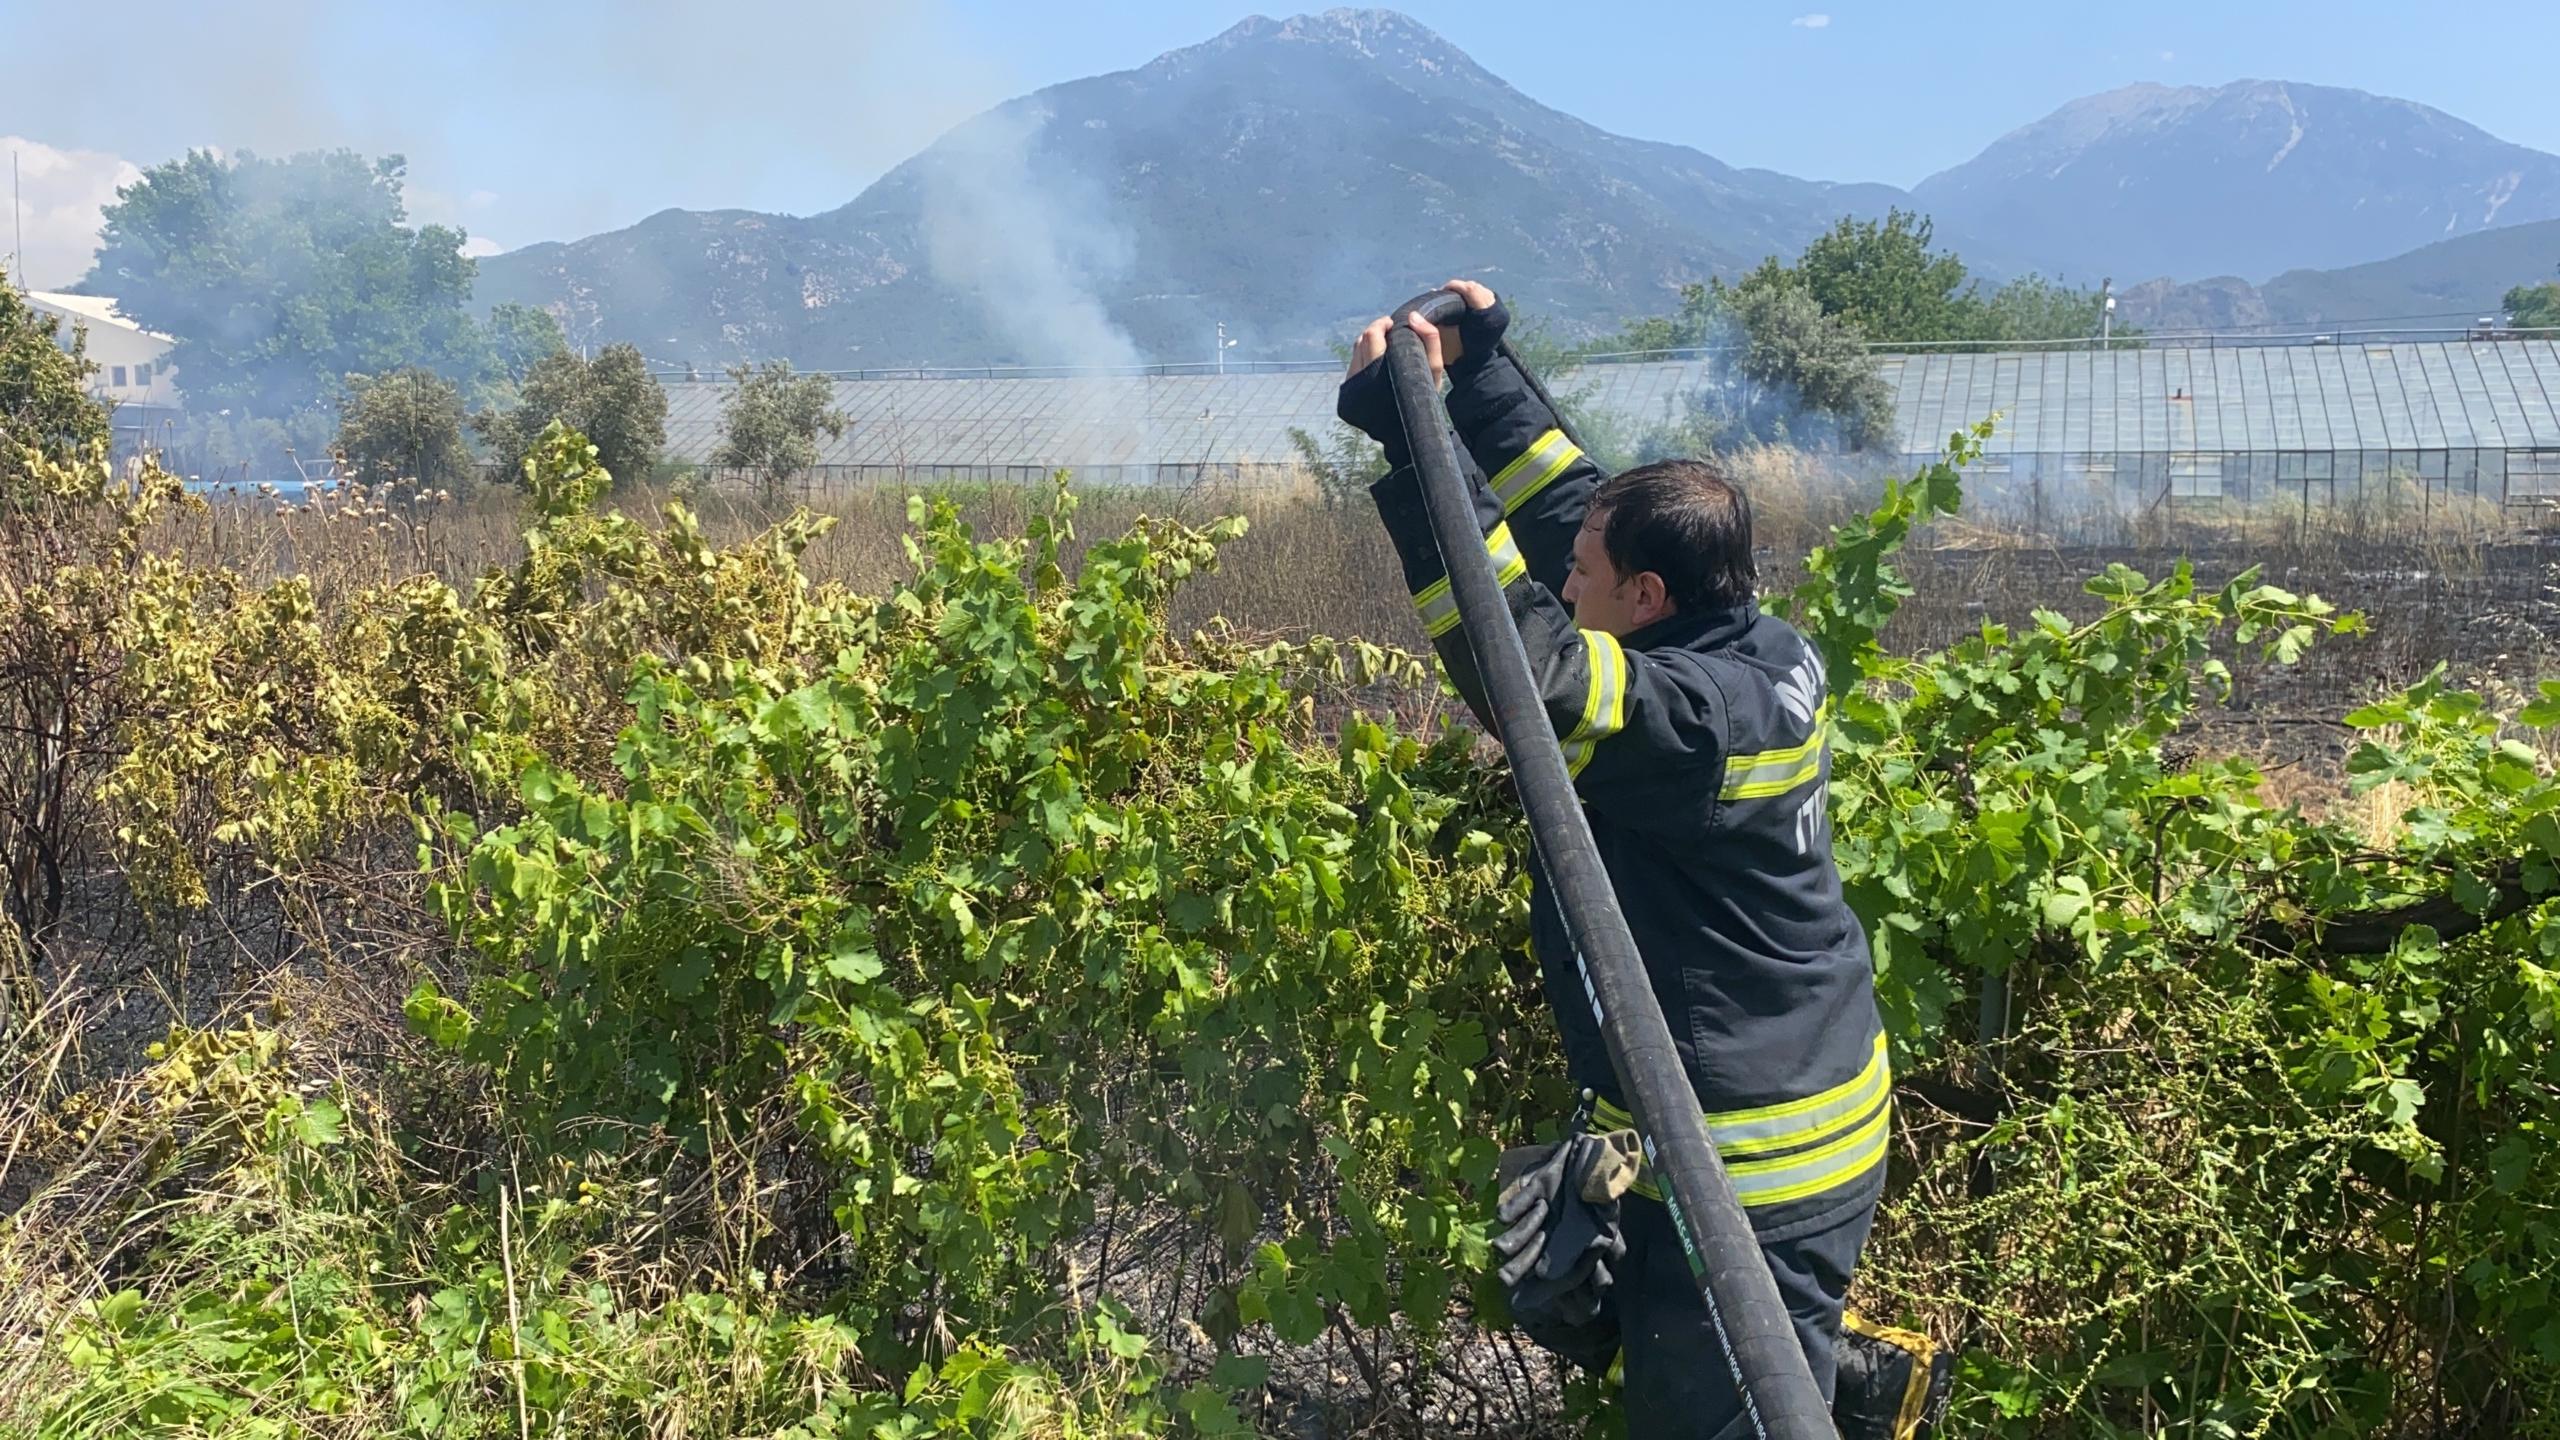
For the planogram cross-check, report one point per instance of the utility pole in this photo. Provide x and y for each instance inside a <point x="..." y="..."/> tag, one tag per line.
<point x="1224" y="345"/>
<point x="18" y="227"/>
<point x="2106" y="311"/>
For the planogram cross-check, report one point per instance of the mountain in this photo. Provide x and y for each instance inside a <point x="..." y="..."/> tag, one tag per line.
<point x="1288" y="177"/>
<point x="2444" y="285"/>
<point x="2247" y="179"/>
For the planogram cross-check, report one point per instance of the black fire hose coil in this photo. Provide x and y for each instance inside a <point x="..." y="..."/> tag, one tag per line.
<point x="1779" y="1397"/>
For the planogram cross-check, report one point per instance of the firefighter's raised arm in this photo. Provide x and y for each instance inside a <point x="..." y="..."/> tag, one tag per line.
<point x="1541" y="478"/>
<point x="1627" y="722"/>
<point x="1541" y="482"/>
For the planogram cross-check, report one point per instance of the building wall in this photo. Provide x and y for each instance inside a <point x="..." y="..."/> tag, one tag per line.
<point x="133" y="364"/>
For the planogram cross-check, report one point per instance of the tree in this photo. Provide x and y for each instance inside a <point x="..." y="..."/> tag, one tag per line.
<point x="1345" y="463"/>
<point x="1802" y="377"/>
<point x="2034" y="308"/>
<point x="2533" y="307"/>
<point x="44" y="400"/>
<point x="771" y="422"/>
<point x="1882" y="277"/>
<point x="1694" y="324"/>
<point x="405" y="427"/>
<point x="521" y="336"/>
<point x="613" y="400"/>
<point x="278" y="277"/>
<point x="1786" y="371"/>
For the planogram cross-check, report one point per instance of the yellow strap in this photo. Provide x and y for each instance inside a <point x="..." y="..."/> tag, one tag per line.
<point x="1915" y="1385"/>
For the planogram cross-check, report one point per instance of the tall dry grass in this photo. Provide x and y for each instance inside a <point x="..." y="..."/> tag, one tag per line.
<point x="2462" y="591"/>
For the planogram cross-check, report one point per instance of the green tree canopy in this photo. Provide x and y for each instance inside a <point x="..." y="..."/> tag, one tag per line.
<point x="772" y="421"/>
<point x="405" y="427"/>
<point x="521" y="336"/>
<point x="1792" y="375"/>
<point x="613" y="400"/>
<point x="2032" y="307"/>
<point x="2533" y="307"/>
<point x="1694" y="324"/>
<point x="1881" y="276"/>
<point x="44" y="400"/>
<point x="1791" y="372"/>
<point x="278" y="277"/>
<point x="1808" y="373"/>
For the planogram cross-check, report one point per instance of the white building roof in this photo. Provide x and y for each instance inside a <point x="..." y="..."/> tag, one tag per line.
<point x="95" y="309"/>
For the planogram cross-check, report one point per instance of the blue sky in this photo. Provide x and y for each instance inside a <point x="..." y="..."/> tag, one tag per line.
<point x="543" y="120"/>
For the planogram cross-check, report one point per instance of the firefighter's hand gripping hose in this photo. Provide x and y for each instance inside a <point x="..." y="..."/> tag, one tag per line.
<point x="1780" y="1400"/>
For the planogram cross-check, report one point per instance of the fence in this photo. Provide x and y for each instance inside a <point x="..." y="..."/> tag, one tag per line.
<point x="825" y="479"/>
<point x="2414" y="489"/>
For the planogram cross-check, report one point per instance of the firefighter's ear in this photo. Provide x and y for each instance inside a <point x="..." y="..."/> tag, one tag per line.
<point x="1652" y="597"/>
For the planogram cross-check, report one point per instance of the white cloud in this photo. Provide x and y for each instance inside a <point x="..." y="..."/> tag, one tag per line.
<point x="1815" y="21"/>
<point x="60" y="195"/>
<point x="429" y="206"/>
<point x="2168" y="55"/>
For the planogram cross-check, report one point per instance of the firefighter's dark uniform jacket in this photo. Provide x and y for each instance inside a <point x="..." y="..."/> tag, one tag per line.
<point x="1699" y="747"/>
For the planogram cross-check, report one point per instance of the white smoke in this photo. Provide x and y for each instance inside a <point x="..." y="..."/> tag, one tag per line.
<point x="1029" y="245"/>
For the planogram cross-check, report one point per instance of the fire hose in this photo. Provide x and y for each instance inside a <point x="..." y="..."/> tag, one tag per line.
<point x="1780" y="1400"/>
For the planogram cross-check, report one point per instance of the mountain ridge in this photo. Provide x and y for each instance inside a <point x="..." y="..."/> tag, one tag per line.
<point x="2447" y="285"/>
<point x="2250" y="178"/>
<point x="1287" y="176"/>
<point x="1332" y="121"/>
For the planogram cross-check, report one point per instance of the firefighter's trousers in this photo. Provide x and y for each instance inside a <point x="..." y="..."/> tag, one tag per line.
<point x="1677" y="1384"/>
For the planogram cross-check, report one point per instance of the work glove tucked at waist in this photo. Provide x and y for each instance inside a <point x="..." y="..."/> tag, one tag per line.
<point x="1561" y="1204"/>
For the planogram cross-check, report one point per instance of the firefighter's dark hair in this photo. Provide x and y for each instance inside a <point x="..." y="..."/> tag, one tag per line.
<point x="1685" y="521"/>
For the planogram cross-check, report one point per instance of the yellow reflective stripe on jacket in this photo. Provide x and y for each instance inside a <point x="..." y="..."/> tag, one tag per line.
<point x="1604" y="704"/>
<point x="1806" y="1173"/>
<point x="1787" y="1124"/>
<point x="1534" y="470"/>
<point x="1775" y="772"/>
<point x="1834" y="1136"/>
<point x="1794" y="1177"/>
<point x="1438" y="605"/>
<point x="1802" y="1122"/>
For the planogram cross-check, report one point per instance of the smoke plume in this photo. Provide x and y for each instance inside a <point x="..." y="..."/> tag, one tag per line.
<point x="1029" y="245"/>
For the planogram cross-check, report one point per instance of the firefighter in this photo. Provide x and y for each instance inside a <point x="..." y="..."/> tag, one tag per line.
<point x="1696" y="727"/>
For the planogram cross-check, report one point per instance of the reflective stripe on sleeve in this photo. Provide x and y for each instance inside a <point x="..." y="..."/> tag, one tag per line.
<point x="1534" y="470"/>
<point x="1604" y="703"/>
<point x="1438" y="605"/>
